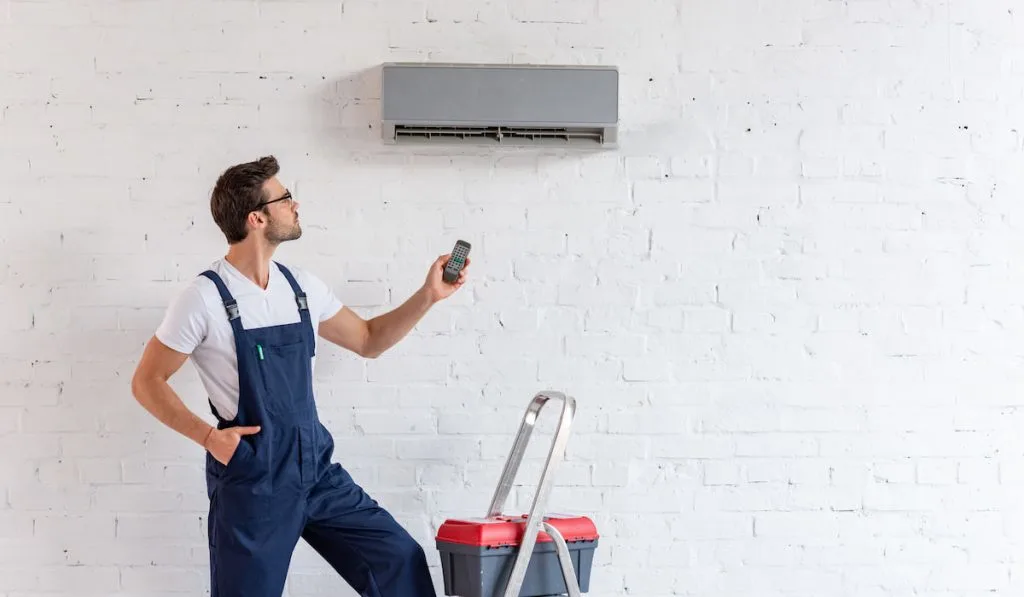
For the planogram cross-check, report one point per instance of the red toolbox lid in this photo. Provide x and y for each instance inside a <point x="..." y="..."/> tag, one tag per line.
<point x="502" y="531"/>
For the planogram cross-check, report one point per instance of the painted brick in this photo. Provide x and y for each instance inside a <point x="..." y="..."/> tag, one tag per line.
<point x="786" y="304"/>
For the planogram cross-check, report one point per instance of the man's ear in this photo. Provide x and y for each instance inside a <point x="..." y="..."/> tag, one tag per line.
<point x="256" y="218"/>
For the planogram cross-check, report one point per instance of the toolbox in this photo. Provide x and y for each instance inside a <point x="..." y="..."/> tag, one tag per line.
<point x="530" y="555"/>
<point x="478" y="554"/>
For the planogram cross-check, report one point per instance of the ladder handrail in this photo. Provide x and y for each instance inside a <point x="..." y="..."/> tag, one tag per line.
<point x="536" y="516"/>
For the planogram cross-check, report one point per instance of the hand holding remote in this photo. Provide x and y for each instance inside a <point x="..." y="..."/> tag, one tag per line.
<point x="448" y="272"/>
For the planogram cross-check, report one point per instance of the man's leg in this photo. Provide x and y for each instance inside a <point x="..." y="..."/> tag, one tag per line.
<point x="251" y="543"/>
<point x="363" y="542"/>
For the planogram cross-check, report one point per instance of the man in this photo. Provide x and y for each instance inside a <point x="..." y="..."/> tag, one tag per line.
<point x="248" y="325"/>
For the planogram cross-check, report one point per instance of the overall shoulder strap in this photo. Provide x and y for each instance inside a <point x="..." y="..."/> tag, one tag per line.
<point x="230" y="304"/>
<point x="234" y="317"/>
<point x="300" y="300"/>
<point x="300" y="295"/>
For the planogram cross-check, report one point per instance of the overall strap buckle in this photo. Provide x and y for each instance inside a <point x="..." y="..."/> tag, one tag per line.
<point x="300" y="300"/>
<point x="232" y="309"/>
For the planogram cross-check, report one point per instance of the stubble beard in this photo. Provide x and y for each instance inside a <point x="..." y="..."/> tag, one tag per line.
<point x="278" y="233"/>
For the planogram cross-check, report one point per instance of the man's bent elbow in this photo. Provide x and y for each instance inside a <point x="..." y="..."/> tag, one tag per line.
<point x="139" y="387"/>
<point x="370" y="353"/>
<point x="144" y="385"/>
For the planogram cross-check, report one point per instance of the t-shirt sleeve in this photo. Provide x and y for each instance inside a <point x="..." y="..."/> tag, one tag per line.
<point x="185" y="322"/>
<point x="322" y="299"/>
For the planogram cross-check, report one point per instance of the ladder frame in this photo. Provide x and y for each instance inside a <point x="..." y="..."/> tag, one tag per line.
<point x="535" y="519"/>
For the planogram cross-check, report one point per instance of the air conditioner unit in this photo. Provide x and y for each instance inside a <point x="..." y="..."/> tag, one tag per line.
<point x="575" y="106"/>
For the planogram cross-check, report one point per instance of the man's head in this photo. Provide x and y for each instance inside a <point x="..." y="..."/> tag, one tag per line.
<point x="249" y="199"/>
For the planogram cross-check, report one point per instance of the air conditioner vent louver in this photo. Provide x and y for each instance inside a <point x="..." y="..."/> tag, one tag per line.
<point x="491" y="104"/>
<point x="500" y="134"/>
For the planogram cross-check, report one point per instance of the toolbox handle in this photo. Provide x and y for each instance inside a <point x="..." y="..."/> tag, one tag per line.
<point x="536" y="516"/>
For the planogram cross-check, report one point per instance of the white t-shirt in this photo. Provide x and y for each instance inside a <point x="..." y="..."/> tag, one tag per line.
<point x="196" y="322"/>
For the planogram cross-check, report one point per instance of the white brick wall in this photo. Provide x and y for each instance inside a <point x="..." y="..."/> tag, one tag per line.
<point x="788" y="305"/>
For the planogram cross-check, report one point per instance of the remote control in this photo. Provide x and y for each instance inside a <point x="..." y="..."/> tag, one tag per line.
<point x="456" y="262"/>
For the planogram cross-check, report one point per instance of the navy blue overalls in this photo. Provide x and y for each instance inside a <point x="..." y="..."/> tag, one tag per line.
<point x="280" y="483"/>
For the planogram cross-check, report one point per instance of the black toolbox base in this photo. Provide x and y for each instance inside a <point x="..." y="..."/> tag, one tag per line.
<point x="471" y="571"/>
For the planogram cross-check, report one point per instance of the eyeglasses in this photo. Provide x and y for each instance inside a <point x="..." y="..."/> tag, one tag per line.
<point x="286" y="197"/>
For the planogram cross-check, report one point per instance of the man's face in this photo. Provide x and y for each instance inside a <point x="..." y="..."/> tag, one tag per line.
<point x="283" y="216"/>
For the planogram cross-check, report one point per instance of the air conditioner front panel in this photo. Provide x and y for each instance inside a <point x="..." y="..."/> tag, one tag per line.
<point x="496" y="95"/>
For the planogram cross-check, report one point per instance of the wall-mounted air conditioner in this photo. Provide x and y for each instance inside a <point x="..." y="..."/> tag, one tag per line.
<point x="496" y="104"/>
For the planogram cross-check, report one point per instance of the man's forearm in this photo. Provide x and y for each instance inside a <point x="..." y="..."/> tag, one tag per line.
<point x="157" y="397"/>
<point x="386" y="330"/>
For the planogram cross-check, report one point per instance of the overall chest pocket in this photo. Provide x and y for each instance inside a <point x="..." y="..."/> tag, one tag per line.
<point x="286" y="375"/>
